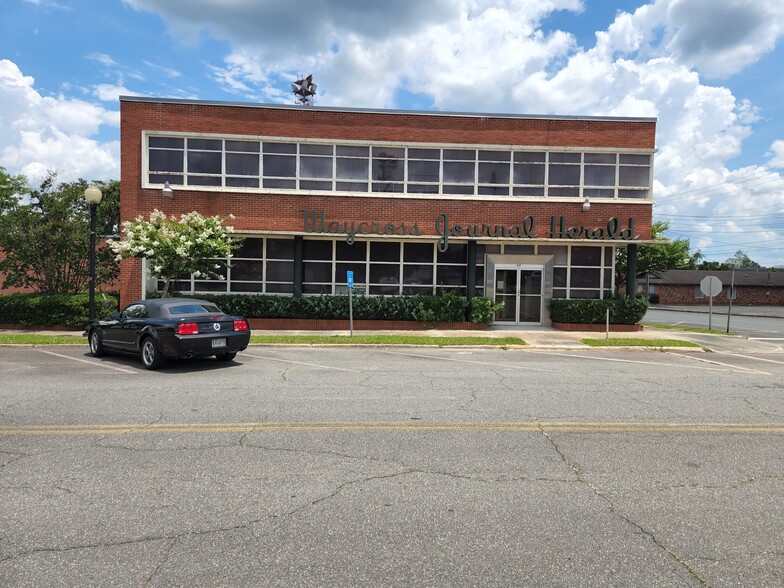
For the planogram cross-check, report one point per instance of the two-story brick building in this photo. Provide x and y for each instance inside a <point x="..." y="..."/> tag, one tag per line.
<point x="517" y="208"/>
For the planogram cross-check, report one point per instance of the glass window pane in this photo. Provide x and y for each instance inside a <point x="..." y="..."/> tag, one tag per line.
<point x="564" y="175"/>
<point x="586" y="256"/>
<point x="460" y="154"/>
<point x="352" y="169"/>
<point x="384" y="273"/>
<point x="351" y="186"/>
<point x="211" y="286"/>
<point x="205" y="144"/>
<point x="456" y="253"/>
<point x="528" y="191"/>
<point x="342" y="269"/>
<point x="418" y="252"/>
<point x="280" y="249"/>
<point x="494" y="173"/>
<point x="423" y="171"/>
<point x="598" y="193"/>
<point x="568" y="192"/>
<point x="529" y="173"/>
<point x="167" y="142"/>
<point x="279" y="288"/>
<point x="251" y="247"/>
<point x="417" y="275"/>
<point x="204" y="181"/>
<point x="494" y="155"/>
<point x="316" y="249"/>
<point x="384" y="290"/>
<point x="287" y="184"/>
<point x="385" y="251"/>
<point x="280" y="271"/>
<point x="353" y="252"/>
<point x="585" y="278"/>
<point x="280" y="166"/>
<point x="242" y="182"/>
<point x="313" y="185"/>
<point x="634" y="176"/>
<point x="632" y="193"/>
<point x="352" y="151"/>
<point x="244" y="146"/>
<point x="389" y="152"/>
<point x="450" y="275"/>
<point x="280" y="148"/>
<point x="528" y="156"/>
<point x="163" y="178"/>
<point x="387" y="187"/>
<point x="493" y="190"/>
<point x="600" y="158"/>
<point x="564" y="157"/>
<point x="242" y="164"/>
<point x="422" y="188"/>
<point x="244" y="286"/>
<point x="315" y="167"/>
<point x="166" y="161"/>
<point x="204" y="162"/>
<point x="245" y="270"/>
<point x="584" y="294"/>
<point x="388" y="170"/>
<point x="453" y="189"/>
<point x="599" y="175"/>
<point x="308" y="149"/>
<point x="559" y="277"/>
<point x="424" y="153"/>
<point x="458" y="172"/>
<point x="317" y="272"/>
<point x="519" y="249"/>
<point x="635" y="159"/>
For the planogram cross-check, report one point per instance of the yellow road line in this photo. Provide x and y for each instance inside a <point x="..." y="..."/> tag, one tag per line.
<point x="529" y="426"/>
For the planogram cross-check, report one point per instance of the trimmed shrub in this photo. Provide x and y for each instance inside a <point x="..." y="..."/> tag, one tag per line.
<point x="623" y="310"/>
<point x="68" y="310"/>
<point x="443" y="308"/>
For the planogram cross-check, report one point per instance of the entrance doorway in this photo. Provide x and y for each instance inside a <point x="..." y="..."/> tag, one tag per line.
<point x="519" y="288"/>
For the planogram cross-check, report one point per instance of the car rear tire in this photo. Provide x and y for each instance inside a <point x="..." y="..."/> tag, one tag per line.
<point x="228" y="356"/>
<point x="96" y="344"/>
<point x="152" y="358"/>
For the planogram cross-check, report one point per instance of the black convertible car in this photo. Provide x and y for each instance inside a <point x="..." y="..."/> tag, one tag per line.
<point x="170" y="327"/>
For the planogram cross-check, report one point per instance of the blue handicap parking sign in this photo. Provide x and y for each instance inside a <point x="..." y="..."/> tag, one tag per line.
<point x="350" y="279"/>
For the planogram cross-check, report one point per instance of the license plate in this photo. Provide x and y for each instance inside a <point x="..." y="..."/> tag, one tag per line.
<point x="218" y="343"/>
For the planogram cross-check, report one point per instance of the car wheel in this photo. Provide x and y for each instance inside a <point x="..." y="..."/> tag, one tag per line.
<point x="226" y="356"/>
<point x="152" y="358"/>
<point x="96" y="344"/>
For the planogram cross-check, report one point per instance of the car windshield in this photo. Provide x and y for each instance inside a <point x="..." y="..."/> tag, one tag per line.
<point x="194" y="309"/>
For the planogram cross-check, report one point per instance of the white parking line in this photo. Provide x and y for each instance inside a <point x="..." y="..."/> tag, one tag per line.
<point x="637" y="361"/>
<point x="327" y="367"/>
<point x="726" y="365"/>
<point x="504" y="365"/>
<point x="749" y="357"/>
<point x="94" y="363"/>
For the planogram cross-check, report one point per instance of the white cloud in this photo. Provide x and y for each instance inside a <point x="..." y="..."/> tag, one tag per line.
<point x="40" y="133"/>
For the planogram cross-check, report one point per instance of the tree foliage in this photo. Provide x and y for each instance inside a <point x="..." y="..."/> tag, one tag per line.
<point x="188" y="245"/>
<point x="655" y="258"/>
<point x="45" y="234"/>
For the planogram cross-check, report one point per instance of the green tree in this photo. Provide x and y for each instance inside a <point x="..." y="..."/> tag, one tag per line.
<point x="45" y="234"/>
<point x="188" y="245"/>
<point x="655" y="258"/>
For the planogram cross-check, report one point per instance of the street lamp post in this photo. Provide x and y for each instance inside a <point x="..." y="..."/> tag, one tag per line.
<point x="93" y="197"/>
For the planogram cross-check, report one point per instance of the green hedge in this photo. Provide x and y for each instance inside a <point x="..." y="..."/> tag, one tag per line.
<point x="623" y="310"/>
<point x="69" y="310"/>
<point x="443" y="308"/>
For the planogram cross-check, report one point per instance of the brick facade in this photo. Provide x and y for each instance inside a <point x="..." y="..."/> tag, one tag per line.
<point x="268" y="213"/>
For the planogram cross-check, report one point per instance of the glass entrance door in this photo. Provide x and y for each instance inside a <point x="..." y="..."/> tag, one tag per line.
<point x="519" y="288"/>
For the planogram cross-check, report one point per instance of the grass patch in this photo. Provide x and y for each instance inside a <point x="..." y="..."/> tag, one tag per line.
<point x="383" y="340"/>
<point x="34" y="339"/>
<point x="631" y="342"/>
<point x="687" y="329"/>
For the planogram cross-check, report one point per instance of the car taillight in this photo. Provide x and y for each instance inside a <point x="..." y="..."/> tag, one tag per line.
<point x="187" y="329"/>
<point x="240" y="325"/>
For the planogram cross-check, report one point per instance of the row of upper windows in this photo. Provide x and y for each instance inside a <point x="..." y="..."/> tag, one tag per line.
<point x="246" y="164"/>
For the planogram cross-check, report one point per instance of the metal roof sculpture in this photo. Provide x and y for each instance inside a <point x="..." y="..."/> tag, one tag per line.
<point x="304" y="90"/>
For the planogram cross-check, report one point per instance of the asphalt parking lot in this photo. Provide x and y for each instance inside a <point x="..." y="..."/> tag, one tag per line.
<point x="393" y="466"/>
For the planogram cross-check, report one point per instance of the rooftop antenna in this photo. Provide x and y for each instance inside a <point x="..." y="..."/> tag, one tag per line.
<point x="304" y="90"/>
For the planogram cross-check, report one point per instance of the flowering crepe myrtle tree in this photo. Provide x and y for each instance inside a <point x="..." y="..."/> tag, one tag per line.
<point x="190" y="245"/>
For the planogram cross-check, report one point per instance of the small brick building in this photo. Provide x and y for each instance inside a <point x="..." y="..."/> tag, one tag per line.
<point x="516" y="208"/>
<point x="752" y="288"/>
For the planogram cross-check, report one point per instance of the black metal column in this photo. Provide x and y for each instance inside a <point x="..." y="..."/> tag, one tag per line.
<point x="299" y="246"/>
<point x="471" y="270"/>
<point x="91" y="303"/>
<point x="631" y="271"/>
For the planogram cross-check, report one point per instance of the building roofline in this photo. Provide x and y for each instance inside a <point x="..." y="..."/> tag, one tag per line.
<point x="190" y="102"/>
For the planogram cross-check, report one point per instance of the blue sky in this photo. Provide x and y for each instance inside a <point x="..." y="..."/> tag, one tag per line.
<point x="709" y="70"/>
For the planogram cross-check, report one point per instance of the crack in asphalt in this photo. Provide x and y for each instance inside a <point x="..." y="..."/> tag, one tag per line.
<point x="164" y="559"/>
<point x="611" y="505"/>
<point x="734" y="486"/>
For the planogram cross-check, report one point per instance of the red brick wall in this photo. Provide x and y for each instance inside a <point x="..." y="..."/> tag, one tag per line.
<point x="745" y="295"/>
<point x="282" y="213"/>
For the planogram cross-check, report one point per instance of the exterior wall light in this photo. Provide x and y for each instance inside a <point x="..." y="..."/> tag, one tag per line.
<point x="586" y="204"/>
<point x="167" y="190"/>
